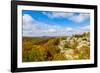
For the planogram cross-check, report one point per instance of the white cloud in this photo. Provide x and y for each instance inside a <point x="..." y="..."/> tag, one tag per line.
<point x="57" y="14"/>
<point x="27" y="18"/>
<point x="69" y="29"/>
<point x="86" y="28"/>
<point x="81" y="30"/>
<point x="68" y="15"/>
<point x="79" y="18"/>
<point x="52" y="30"/>
<point x="29" y="24"/>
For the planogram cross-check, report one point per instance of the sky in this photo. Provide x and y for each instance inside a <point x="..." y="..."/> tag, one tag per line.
<point x="50" y="23"/>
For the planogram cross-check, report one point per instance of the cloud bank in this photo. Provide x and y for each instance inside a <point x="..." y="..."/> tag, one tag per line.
<point x="34" y="28"/>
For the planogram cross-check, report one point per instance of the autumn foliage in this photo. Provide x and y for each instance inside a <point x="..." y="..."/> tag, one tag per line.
<point x="74" y="47"/>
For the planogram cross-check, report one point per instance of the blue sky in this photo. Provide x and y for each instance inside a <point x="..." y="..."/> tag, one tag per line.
<point x="49" y="23"/>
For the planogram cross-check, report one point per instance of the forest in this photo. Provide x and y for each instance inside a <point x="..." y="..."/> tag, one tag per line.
<point x="46" y="48"/>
